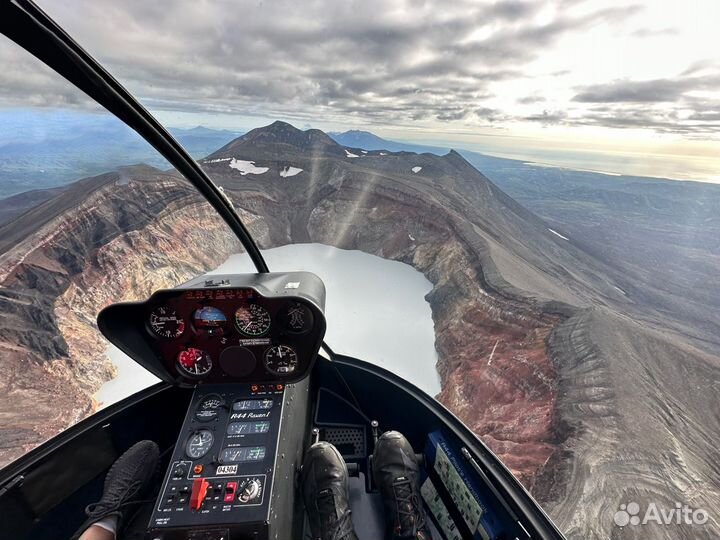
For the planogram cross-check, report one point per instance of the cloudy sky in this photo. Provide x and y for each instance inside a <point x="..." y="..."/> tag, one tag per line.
<point x="634" y="85"/>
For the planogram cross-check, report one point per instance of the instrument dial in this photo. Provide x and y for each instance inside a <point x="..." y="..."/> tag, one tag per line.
<point x="166" y="323"/>
<point x="252" y="320"/>
<point x="298" y="319"/>
<point x="209" y="408"/>
<point x="209" y="320"/>
<point x="194" y="362"/>
<point x="281" y="360"/>
<point x="199" y="443"/>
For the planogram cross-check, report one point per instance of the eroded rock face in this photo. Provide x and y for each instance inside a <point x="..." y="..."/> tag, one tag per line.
<point x="64" y="274"/>
<point x="496" y="374"/>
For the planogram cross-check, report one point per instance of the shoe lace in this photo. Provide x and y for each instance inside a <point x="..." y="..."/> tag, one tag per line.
<point x="410" y="515"/>
<point x="340" y="526"/>
<point x="104" y="506"/>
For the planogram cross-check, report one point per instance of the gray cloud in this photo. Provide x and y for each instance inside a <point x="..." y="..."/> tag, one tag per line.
<point x="674" y="120"/>
<point x="548" y="118"/>
<point x="659" y="90"/>
<point x="664" y="105"/>
<point x="531" y="100"/>
<point x="375" y="61"/>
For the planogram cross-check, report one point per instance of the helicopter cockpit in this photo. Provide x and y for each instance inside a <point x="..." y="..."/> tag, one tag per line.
<point x="247" y="383"/>
<point x="247" y="345"/>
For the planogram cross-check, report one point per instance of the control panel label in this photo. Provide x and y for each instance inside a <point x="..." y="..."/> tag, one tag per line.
<point x="226" y="469"/>
<point x="439" y="510"/>
<point x="462" y="496"/>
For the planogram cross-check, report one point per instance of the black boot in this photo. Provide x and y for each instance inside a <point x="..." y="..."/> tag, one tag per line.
<point x="125" y="483"/>
<point x="397" y="475"/>
<point x="324" y="483"/>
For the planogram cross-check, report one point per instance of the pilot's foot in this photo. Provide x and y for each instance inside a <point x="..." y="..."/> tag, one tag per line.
<point x="126" y="482"/>
<point x="397" y="475"/>
<point x="324" y="482"/>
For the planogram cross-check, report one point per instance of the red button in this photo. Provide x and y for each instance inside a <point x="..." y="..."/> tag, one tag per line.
<point x="199" y="491"/>
<point x="230" y="489"/>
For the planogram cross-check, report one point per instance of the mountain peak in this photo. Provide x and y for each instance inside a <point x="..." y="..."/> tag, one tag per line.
<point x="281" y="133"/>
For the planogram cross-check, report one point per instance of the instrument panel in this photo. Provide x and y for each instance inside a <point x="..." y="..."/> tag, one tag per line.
<point x="237" y="333"/>
<point x="223" y="331"/>
<point x="219" y="482"/>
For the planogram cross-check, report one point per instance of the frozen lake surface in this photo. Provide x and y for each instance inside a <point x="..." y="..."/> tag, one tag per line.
<point x="376" y="311"/>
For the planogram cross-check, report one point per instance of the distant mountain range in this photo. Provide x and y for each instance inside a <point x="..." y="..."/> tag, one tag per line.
<point x="40" y="150"/>
<point x="369" y="141"/>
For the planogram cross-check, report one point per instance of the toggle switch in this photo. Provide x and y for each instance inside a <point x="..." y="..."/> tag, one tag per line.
<point x="199" y="491"/>
<point x="230" y="489"/>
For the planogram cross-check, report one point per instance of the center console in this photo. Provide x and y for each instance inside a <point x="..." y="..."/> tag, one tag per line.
<point x="247" y="344"/>
<point x="237" y="441"/>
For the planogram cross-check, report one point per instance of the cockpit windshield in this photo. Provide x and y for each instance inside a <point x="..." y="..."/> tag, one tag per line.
<point x="512" y="205"/>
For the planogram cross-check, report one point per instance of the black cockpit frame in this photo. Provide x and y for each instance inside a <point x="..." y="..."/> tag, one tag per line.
<point x="32" y="29"/>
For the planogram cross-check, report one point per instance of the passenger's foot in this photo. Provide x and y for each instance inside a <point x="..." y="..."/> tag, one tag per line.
<point x="324" y="482"/>
<point x="397" y="475"/>
<point x="125" y="484"/>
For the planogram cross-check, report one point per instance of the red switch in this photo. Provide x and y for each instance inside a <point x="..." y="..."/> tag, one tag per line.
<point x="199" y="491"/>
<point x="230" y="489"/>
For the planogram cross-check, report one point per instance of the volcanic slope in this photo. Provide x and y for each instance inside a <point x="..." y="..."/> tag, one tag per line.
<point x="541" y="350"/>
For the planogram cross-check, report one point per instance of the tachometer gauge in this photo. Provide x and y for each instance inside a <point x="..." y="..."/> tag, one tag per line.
<point x="199" y="443"/>
<point x="281" y="360"/>
<point x="194" y="362"/>
<point x="166" y="323"/>
<point x="252" y="320"/>
<point x="209" y="408"/>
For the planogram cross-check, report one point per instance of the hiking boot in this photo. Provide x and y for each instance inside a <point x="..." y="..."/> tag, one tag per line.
<point x="324" y="482"/>
<point x="125" y="484"/>
<point x="397" y="475"/>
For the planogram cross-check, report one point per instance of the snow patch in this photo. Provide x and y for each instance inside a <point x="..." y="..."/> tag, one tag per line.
<point x="411" y="237"/>
<point x="620" y="290"/>
<point x="416" y="169"/>
<point x="217" y="160"/>
<point x="247" y="167"/>
<point x="383" y="153"/>
<point x="290" y="171"/>
<point x="364" y="151"/>
<point x="350" y="154"/>
<point x="558" y="234"/>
